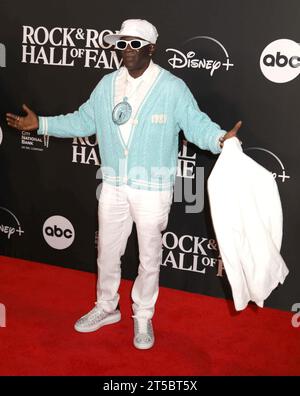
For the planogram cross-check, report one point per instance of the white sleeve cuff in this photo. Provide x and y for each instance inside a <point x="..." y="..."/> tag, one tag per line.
<point x="221" y="134"/>
<point x="43" y="126"/>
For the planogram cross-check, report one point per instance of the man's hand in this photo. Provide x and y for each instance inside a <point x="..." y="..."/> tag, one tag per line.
<point x="231" y="133"/>
<point x="28" y="123"/>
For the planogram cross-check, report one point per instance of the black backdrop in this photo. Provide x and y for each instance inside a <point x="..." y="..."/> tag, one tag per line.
<point x="48" y="62"/>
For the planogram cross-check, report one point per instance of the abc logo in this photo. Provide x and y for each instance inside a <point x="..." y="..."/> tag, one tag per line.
<point x="58" y="232"/>
<point x="280" y="61"/>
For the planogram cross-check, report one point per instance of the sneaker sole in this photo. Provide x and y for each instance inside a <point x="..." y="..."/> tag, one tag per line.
<point x="116" y="318"/>
<point x="143" y="346"/>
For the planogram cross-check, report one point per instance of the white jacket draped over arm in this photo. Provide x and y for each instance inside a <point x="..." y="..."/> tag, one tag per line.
<point x="247" y="218"/>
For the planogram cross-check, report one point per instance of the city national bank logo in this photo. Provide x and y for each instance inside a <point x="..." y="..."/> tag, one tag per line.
<point x="2" y="55"/>
<point x="30" y="141"/>
<point x="280" y="61"/>
<point x="211" y="55"/>
<point x="58" y="232"/>
<point x="270" y="161"/>
<point x="64" y="46"/>
<point x="9" y="224"/>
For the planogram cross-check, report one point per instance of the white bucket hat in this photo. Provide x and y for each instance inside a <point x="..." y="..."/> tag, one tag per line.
<point x="135" y="28"/>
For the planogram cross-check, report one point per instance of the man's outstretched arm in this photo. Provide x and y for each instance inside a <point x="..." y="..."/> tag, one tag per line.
<point x="197" y="125"/>
<point x="80" y="123"/>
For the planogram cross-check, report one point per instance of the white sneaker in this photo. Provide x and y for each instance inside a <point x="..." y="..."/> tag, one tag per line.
<point x="95" y="319"/>
<point x="143" y="333"/>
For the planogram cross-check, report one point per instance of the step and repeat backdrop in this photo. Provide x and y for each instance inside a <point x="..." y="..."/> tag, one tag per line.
<point x="241" y="60"/>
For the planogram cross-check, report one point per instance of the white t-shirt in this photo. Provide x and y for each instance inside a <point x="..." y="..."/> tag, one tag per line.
<point x="135" y="89"/>
<point x="131" y="92"/>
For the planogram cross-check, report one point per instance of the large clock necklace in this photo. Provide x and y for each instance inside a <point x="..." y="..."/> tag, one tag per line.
<point x="122" y="111"/>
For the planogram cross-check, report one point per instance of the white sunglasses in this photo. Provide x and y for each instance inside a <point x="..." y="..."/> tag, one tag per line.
<point x="134" y="44"/>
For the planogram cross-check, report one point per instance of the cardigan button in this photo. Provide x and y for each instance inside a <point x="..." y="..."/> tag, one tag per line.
<point x="126" y="152"/>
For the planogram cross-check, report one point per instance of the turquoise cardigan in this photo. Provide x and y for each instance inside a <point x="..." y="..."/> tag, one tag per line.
<point x="149" y="159"/>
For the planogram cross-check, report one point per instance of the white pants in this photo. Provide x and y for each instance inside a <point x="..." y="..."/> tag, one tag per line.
<point x="118" y="208"/>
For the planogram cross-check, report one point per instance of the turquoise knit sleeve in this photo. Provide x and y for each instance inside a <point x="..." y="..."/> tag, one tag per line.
<point x="80" y="123"/>
<point x="197" y="125"/>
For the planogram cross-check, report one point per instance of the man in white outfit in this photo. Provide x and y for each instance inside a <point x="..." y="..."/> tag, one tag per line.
<point x="120" y="204"/>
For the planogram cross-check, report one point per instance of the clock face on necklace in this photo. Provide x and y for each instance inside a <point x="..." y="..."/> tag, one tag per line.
<point x="121" y="112"/>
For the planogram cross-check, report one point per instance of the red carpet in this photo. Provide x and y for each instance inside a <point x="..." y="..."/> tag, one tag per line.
<point x="195" y="335"/>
